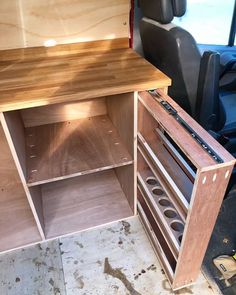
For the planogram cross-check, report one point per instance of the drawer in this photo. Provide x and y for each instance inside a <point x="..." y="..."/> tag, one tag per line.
<point x="182" y="175"/>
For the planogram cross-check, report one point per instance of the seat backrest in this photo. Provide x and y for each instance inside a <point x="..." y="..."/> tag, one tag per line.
<point x="171" y="49"/>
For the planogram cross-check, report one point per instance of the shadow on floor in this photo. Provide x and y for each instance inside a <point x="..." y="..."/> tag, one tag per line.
<point x="222" y="242"/>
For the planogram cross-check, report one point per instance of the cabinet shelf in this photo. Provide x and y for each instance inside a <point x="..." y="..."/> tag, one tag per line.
<point x="72" y="148"/>
<point x="82" y="202"/>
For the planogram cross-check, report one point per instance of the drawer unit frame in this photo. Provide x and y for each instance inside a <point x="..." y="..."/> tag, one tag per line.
<point x="191" y="187"/>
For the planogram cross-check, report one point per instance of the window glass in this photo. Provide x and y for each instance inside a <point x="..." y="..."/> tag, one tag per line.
<point x="208" y="21"/>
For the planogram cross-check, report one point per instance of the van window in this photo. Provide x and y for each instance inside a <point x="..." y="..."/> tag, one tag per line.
<point x="209" y="21"/>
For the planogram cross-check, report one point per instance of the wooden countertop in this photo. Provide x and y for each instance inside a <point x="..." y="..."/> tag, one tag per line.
<point x="40" y="76"/>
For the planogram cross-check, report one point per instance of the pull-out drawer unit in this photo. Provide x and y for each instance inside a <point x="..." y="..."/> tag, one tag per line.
<point x="182" y="177"/>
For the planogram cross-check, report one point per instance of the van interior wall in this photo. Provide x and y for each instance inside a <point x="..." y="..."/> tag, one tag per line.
<point x="30" y="23"/>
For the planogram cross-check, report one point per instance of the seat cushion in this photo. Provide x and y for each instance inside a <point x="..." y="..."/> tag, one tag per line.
<point x="228" y="102"/>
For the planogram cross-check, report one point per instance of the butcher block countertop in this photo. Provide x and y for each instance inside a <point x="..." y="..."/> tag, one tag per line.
<point x="40" y="76"/>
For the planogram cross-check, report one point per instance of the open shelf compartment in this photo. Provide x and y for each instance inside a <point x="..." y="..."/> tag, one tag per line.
<point x="73" y="148"/>
<point x="77" y="161"/>
<point x="66" y="140"/>
<point x="82" y="202"/>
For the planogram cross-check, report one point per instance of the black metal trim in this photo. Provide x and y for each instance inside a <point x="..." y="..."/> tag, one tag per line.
<point x="172" y="111"/>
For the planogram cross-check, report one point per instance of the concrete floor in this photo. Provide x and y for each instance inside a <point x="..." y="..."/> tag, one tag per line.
<point x="116" y="259"/>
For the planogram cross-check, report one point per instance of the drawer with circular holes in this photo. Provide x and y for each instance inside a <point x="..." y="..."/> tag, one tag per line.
<point x="182" y="177"/>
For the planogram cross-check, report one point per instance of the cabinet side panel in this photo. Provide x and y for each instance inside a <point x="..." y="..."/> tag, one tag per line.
<point x="14" y="132"/>
<point x="16" y="129"/>
<point x="122" y="110"/>
<point x="125" y="176"/>
<point x="17" y="225"/>
<point x="208" y="193"/>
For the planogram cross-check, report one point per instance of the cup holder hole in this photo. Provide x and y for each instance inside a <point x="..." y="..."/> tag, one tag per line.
<point x="151" y="181"/>
<point x="158" y="191"/>
<point x="177" y="226"/>
<point x="170" y="213"/>
<point x="164" y="202"/>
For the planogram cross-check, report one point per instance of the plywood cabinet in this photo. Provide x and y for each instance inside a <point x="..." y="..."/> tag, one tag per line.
<point x="73" y="170"/>
<point x="83" y="144"/>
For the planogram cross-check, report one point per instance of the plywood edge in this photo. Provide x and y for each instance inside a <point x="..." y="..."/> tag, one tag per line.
<point x="122" y="110"/>
<point x="91" y="171"/>
<point x="155" y="244"/>
<point x="210" y="187"/>
<point x="63" y="49"/>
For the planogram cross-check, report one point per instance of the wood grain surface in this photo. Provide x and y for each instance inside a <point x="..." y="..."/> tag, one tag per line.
<point x="79" y="203"/>
<point x="38" y="79"/>
<point x="148" y="137"/>
<point x="205" y="204"/>
<point x="28" y="23"/>
<point x="17" y="224"/>
<point x="122" y="110"/>
<point x="62" y="150"/>
<point x="63" y="112"/>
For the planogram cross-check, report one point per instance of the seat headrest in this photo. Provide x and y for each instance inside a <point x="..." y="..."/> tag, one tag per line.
<point x="163" y="11"/>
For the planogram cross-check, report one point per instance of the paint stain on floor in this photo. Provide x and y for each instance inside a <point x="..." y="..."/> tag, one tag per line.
<point x="117" y="273"/>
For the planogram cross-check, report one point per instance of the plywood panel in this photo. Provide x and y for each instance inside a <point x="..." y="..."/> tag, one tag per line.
<point x="73" y="148"/>
<point x="14" y="131"/>
<point x="63" y="112"/>
<point x="79" y="203"/>
<point x="74" y="21"/>
<point x="17" y="225"/>
<point x="148" y="139"/>
<point x="29" y="23"/>
<point x="207" y="198"/>
<point x="11" y="33"/>
<point x="122" y="109"/>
